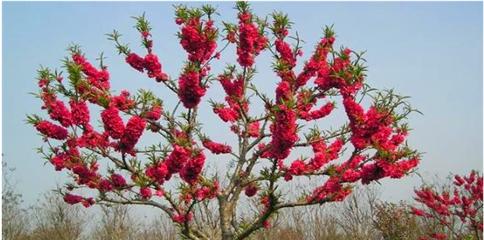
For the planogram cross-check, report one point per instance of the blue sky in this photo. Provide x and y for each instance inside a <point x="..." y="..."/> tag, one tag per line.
<point x="429" y="51"/>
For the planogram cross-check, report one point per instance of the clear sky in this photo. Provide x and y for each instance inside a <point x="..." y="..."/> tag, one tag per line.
<point x="429" y="51"/>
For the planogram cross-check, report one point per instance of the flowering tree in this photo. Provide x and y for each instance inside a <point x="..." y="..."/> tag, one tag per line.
<point x="458" y="209"/>
<point x="171" y="175"/>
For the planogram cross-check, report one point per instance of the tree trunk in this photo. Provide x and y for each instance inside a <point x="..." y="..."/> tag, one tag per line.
<point x="226" y="215"/>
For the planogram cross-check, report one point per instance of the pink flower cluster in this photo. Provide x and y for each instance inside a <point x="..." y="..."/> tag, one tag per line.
<point x="122" y="102"/>
<point x="79" y="112"/>
<point x="97" y="78"/>
<point x="251" y="190"/>
<point x="250" y="42"/>
<point x="154" y="113"/>
<point x="286" y="54"/>
<point x="158" y="172"/>
<point x="150" y="63"/>
<point x="59" y="112"/>
<point x="284" y="132"/>
<point x="198" y="38"/>
<point x="74" y="199"/>
<point x="133" y="131"/>
<point x="227" y="114"/>
<point x="68" y="155"/>
<point x="234" y="90"/>
<point x="190" y="90"/>
<point x="56" y="108"/>
<point x="216" y="148"/>
<point x="115" y="182"/>
<point x="332" y="190"/>
<point x="322" y="112"/>
<point x="93" y="139"/>
<point x="51" y="130"/>
<point x="177" y="159"/>
<point x="322" y="155"/>
<point x="317" y="64"/>
<point x="371" y="128"/>
<point x="193" y="167"/>
<point x="182" y="161"/>
<point x="254" y="129"/>
<point x="113" y="123"/>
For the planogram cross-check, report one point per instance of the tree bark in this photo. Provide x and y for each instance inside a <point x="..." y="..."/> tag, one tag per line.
<point x="226" y="215"/>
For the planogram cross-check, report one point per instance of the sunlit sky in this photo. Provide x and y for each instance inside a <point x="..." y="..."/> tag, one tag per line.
<point x="430" y="51"/>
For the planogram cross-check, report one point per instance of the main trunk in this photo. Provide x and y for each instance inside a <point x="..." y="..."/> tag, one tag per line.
<point x="226" y="214"/>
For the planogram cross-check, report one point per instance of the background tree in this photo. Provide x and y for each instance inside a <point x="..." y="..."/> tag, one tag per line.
<point x="457" y="208"/>
<point x="112" y="167"/>
<point x="158" y="229"/>
<point x="350" y="219"/>
<point x="116" y="224"/>
<point x="394" y="221"/>
<point x="14" y="218"/>
<point x="53" y="218"/>
<point x="356" y="213"/>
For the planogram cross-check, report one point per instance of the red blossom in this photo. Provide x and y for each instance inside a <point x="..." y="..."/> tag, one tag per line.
<point x="193" y="167"/>
<point x="317" y="65"/>
<point x="105" y="185"/>
<point x="153" y="67"/>
<point x="118" y="181"/>
<point x="266" y="224"/>
<point x="418" y="212"/>
<point x="254" y="129"/>
<point x="72" y="198"/>
<point x="80" y="112"/>
<point x="135" y="61"/>
<point x="251" y="190"/>
<point x="182" y="218"/>
<point x="177" y="159"/>
<point x="198" y="39"/>
<point x="297" y="167"/>
<point x="233" y="88"/>
<point x="462" y="202"/>
<point x="284" y="132"/>
<point x="145" y="192"/>
<point x="154" y="113"/>
<point x="216" y="148"/>
<point x="250" y="43"/>
<point x="190" y="90"/>
<point x="97" y="78"/>
<point x="157" y="172"/>
<point x="332" y="190"/>
<point x="122" y="102"/>
<point x="91" y="138"/>
<point x="58" y="111"/>
<point x="113" y="124"/>
<point x="51" y="130"/>
<point x="134" y="129"/>
<point x="86" y="174"/>
<point x="179" y="21"/>
<point x="207" y="192"/>
<point x="324" y="111"/>
<point x="59" y="161"/>
<point x="283" y="92"/>
<point x="227" y="114"/>
<point x="285" y="52"/>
